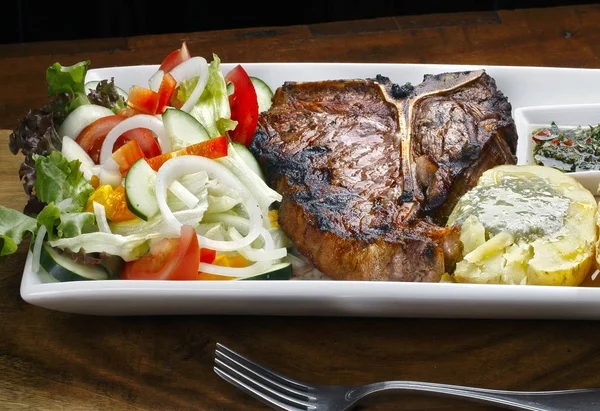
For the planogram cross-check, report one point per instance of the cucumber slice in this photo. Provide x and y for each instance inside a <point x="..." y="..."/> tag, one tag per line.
<point x="73" y="151"/>
<point x="91" y="85"/>
<point x="280" y="271"/>
<point x="264" y="94"/>
<point x="248" y="158"/>
<point x="140" y="191"/>
<point x="80" y="118"/>
<point x="183" y="129"/>
<point x="63" y="268"/>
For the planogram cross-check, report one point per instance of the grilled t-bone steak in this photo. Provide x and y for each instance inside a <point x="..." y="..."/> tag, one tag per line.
<point x="369" y="170"/>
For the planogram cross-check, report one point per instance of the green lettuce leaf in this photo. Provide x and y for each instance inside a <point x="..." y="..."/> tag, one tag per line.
<point x="68" y="80"/>
<point x="212" y="109"/>
<point x="14" y="226"/>
<point x="36" y="131"/>
<point x="62" y="223"/>
<point x="74" y="224"/>
<point x="49" y="217"/>
<point x="59" y="179"/>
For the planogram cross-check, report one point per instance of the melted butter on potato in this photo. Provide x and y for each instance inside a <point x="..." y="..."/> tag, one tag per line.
<point x="526" y="225"/>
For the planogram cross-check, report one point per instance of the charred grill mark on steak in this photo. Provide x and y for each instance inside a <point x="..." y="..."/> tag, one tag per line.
<point x="369" y="170"/>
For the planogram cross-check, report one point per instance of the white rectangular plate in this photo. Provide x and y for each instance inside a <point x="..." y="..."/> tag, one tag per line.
<point x="524" y="86"/>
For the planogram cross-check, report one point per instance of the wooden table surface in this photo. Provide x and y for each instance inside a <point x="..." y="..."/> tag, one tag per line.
<point x="51" y="360"/>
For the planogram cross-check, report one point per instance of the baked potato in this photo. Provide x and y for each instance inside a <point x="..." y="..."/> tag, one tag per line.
<point x="526" y="224"/>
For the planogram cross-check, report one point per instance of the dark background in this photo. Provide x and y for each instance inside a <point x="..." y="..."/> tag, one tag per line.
<point x="27" y="21"/>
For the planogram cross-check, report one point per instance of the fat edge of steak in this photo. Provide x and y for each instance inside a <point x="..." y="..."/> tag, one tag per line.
<point x="404" y="243"/>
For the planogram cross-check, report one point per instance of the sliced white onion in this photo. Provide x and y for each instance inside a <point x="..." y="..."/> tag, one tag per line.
<point x="37" y="248"/>
<point x="175" y="167"/>
<point x="268" y="253"/>
<point x="266" y="235"/>
<point x="183" y="194"/>
<point x="148" y="121"/>
<point x="101" y="220"/>
<point x="109" y="173"/>
<point x="96" y="168"/>
<point x="88" y="172"/>
<point x="155" y="80"/>
<point x="194" y="67"/>
<point x="239" y="272"/>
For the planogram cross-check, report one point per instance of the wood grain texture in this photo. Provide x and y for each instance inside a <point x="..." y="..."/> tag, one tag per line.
<point x="57" y="361"/>
<point x="561" y="36"/>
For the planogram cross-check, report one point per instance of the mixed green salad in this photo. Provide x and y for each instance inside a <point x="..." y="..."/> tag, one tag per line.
<point x="151" y="183"/>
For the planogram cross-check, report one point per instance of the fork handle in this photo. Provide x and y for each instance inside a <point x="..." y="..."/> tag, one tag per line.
<point x="566" y="400"/>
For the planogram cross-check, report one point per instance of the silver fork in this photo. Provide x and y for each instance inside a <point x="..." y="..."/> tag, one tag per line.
<point x="284" y="393"/>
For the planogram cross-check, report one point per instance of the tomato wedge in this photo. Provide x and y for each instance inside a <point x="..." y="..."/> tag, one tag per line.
<point x="169" y="259"/>
<point x="214" y="148"/>
<point x="92" y="137"/>
<point x="244" y="105"/>
<point x="175" y="58"/>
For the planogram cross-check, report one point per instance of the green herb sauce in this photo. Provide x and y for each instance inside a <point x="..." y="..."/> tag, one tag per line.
<point x="567" y="149"/>
<point x="527" y="207"/>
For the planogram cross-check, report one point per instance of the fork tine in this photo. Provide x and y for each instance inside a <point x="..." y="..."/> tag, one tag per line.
<point x="258" y="390"/>
<point x="250" y="375"/>
<point x="259" y="370"/>
<point x="255" y="393"/>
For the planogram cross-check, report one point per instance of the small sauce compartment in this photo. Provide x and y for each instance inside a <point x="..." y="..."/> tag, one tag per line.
<point x="571" y="148"/>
